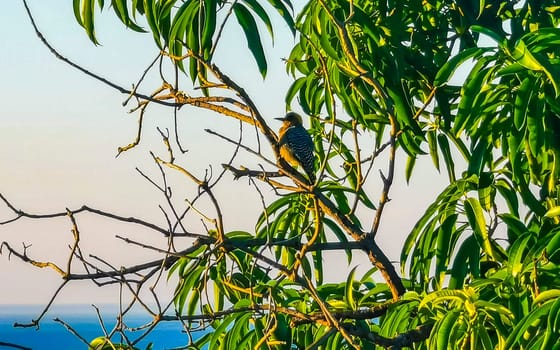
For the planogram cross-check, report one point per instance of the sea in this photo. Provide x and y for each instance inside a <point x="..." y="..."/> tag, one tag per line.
<point x="51" y="335"/>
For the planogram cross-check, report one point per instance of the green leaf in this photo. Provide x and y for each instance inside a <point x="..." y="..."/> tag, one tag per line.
<point x="318" y="265"/>
<point x="522" y="55"/>
<point x="443" y="329"/>
<point x="514" y="224"/>
<point x="528" y="324"/>
<point x="553" y="325"/>
<point x="77" y="13"/>
<point x="410" y="161"/>
<point x="209" y="27"/>
<point x="552" y="212"/>
<point x="193" y="302"/>
<point x="433" y="147"/>
<point x="478" y="158"/>
<point x="326" y="35"/>
<point x="500" y="39"/>
<point x="449" y="297"/>
<point x="543" y="39"/>
<point x="444" y="246"/>
<point x="187" y="287"/>
<point x="546" y="296"/>
<point x="535" y="131"/>
<point x="306" y="266"/>
<point x="340" y="235"/>
<point x="87" y="19"/>
<point x="186" y="17"/>
<point x="250" y="29"/>
<point x="349" y="290"/>
<point x="447" y="156"/>
<point x="404" y="114"/>
<point x="447" y="70"/>
<point x="239" y="235"/>
<point x="522" y="102"/>
<point x="469" y="93"/>
<point x="410" y="144"/>
<point x="263" y="225"/>
<point x="462" y="261"/>
<point x="150" y="14"/>
<point x="341" y="201"/>
<point x="448" y="195"/>
<point x="238" y="331"/>
<point x="364" y="198"/>
<point x="261" y="12"/>
<point x="475" y="214"/>
<point x="509" y="194"/>
<point x="517" y="252"/>
<point x="121" y="10"/>
<point x="553" y="248"/>
<point x="284" y="12"/>
<point x="486" y="196"/>
<point x="99" y="343"/>
<point x="221" y="330"/>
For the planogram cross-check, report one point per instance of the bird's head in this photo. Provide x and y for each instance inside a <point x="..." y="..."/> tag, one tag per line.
<point x="291" y="118"/>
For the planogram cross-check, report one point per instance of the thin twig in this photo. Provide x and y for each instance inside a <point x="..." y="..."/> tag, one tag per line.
<point x="85" y="71"/>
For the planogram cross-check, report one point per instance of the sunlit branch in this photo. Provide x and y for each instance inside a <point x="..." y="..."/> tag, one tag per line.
<point x="375" y="254"/>
<point x="25" y="258"/>
<point x="387" y="182"/>
<point x="272" y="325"/>
<point x="259" y="121"/>
<point x="203" y="184"/>
<point x="426" y="103"/>
<point x="255" y="118"/>
<point x="136" y="140"/>
<point x="332" y="321"/>
<point x="76" y="234"/>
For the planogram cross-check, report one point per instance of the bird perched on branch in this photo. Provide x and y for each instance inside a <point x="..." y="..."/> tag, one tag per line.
<point x="296" y="146"/>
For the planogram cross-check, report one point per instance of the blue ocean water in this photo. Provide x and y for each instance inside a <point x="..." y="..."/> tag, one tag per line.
<point x="82" y="318"/>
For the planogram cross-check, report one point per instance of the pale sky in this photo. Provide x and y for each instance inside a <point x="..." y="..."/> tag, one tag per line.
<point x="59" y="132"/>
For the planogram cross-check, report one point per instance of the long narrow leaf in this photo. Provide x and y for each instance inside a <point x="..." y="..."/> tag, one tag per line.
<point x="251" y="31"/>
<point x="475" y="214"/>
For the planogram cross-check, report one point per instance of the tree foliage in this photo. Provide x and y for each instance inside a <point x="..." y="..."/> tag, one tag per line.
<point x="480" y="269"/>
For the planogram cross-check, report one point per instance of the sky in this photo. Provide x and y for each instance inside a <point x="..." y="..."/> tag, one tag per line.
<point x="60" y="131"/>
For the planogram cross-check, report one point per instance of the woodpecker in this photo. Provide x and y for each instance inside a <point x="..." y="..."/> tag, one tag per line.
<point x="296" y="146"/>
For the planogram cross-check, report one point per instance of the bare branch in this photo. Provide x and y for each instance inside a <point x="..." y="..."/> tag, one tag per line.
<point x="15" y="346"/>
<point x="85" y="71"/>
